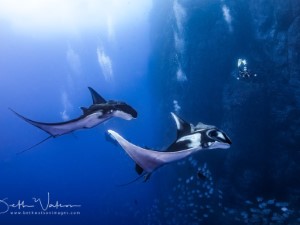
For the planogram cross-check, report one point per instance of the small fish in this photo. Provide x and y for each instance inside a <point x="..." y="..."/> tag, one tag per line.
<point x="201" y="176"/>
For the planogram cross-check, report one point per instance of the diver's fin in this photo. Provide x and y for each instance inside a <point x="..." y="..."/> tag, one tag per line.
<point x="183" y="127"/>
<point x="42" y="141"/>
<point x="97" y="99"/>
<point x="149" y="160"/>
<point x="139" y="169"/>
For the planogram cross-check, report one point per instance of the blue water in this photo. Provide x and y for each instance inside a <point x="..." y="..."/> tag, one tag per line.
<point x="39" y="81"/>
<point x="151" y="64"/>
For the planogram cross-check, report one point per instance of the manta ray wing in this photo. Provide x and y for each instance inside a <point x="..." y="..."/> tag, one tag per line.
<point x="149" y="160"/>
<point x="55" y="129"/>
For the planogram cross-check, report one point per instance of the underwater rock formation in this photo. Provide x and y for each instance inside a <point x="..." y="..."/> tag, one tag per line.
<point x="261" y="115"/>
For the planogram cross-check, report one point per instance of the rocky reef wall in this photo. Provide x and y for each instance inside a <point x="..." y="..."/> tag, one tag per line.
<point x="196" y="45"/>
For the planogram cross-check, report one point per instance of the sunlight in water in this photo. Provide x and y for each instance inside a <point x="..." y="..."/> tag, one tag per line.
<point x="65" y="16"/>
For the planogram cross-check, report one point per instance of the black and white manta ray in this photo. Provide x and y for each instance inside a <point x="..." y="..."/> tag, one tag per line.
<point x="100" y="111"/>
<point x="190" y="139"/>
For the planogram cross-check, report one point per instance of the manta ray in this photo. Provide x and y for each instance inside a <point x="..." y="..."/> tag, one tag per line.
<point x="100" y="111"/>
<point x="190" y="139"/>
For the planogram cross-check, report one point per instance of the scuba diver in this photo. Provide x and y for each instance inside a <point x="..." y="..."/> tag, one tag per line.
<point x="243" y="72"/>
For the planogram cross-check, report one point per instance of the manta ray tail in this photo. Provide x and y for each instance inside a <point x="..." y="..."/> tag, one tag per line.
<point x="145" y="175"/>
<point x="42" y="141"/>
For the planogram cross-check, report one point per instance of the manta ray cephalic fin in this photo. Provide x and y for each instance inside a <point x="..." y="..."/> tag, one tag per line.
<point x="84" y="110"/>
